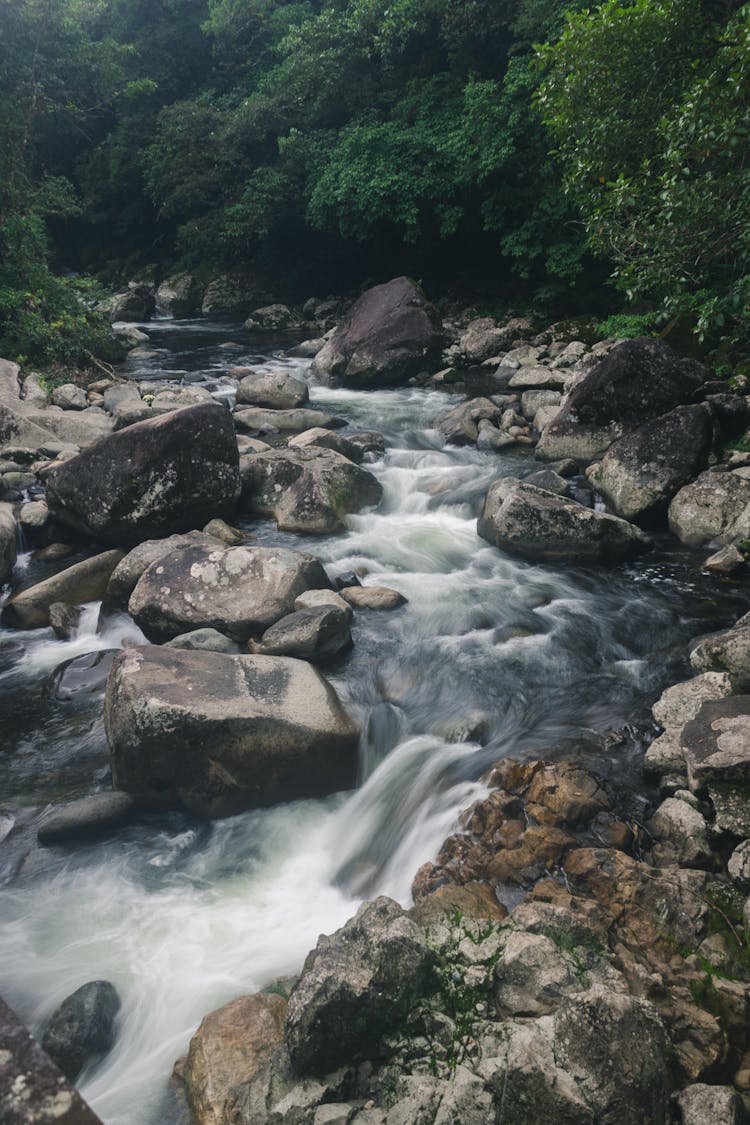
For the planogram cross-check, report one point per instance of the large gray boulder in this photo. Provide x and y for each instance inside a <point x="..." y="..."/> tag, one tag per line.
<point x="539" y="525"/>
<point x="237" y="590"/>
<point x="483" y="338"/>
<point x="716" y="506"/>
<point x="74" y="427"/>
<point x="357" y="985"/>
<point x="83" y="582"/>
<point x="179" y="296"/>
<point x="220" y="734"/>
<point x="273" y="318"/>
<point x="126" y="574"/>
<point x="640" y="473"/>
<point x="727" y="651"/>
<point x="7" y="540"/>
<point x="716" y="743"/>
<point x="636" y="381"/>
<point x="275" y="389"/>
<point x="309" y="490"/>
<point x="390" y="334"/>
<point x="33" y="1091"/>
<point x="700" y="1104"/>
<point x="167" y="474"/>
<point x="258" y="419"/>
<point x="82" y="1028"/>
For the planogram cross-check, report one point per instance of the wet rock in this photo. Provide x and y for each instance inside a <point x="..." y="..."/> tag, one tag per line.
<point x="309" y="490"/>
<point x="368" y="442"/>
<point x="228" y="1047"/>
<point x="641" y="472"/>
<point x="151" y="479"/>
<point x="738" y="865"/>
<point x="273" y="318"/>
<point x="307" y="349"/>
<point x="180" y="295"/>
<point x="86" y="817"/>
<point x="33" y="516"/>
<point x="85" y="674"/>
<point x="33" y="1091"/>
<point x="255" y="419"/>
<point x="726" y="652"/>
<point x="309" y="634"/>
<point x="237" y="590"/>
<point x="664" y="756"/>
<point x="372" y="597"/>
<point x="490" y="437"/>
<point x="390" y="334"/>
<point x="475" y="901"/>
<point x="541" y="526"/>
<point x="205" y="640"/>
<point x="126" y="574"/>
<point x="715" y="507"/>
<point x="328" y="439"/>
<point x="132" y="304"/>
<point x="549" y="481"/>
<point x="275" y="389"/>
<point x="565" y="795"/>
<point x="680" y="703"/>
<point x="716" y="743"/>
<point x="225" y="533"/>
<point x="83" y="582"/>
<point x="700" y="1104"/>
<point x="472" y="727"/>
<point x="7" y="540"/>
<point x="356" y="986"/>
<point x="220" y="734"/>
<point x="69" y="397"/>
<point x="230" y="294"/>
<point x="616" y="1049"/>
<point x="460" y="426"/>
<point x="65" y="619"/>
<point x="725" y="561"/>
<point x="82" y="1028"/>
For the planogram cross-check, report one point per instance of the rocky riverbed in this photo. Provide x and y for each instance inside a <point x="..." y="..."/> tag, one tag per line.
<point x="466" y="609"/>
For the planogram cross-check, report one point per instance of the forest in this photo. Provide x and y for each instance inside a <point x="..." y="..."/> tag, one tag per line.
<point x="528" y="152"/>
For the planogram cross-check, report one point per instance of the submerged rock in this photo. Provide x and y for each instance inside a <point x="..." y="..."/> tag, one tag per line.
<point x="237" y="590"/>
<point x="308" y="490"/>
<point x="390" y="334"/>
<point x="168" y="474"/>
<point x="541" y="526"/>
<point x="88" y="816"/>
<point x="220" y="734"/>
<point x="82" y="1028"/>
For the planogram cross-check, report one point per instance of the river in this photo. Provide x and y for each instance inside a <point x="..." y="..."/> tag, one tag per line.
<point x="183" y="915"/>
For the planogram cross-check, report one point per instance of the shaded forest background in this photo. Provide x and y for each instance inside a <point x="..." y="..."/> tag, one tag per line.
<point x="531" y="151"/>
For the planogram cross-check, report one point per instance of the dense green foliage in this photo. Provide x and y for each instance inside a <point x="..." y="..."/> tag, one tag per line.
<point x="327" y="143"/>
<point x="650" y="106"/>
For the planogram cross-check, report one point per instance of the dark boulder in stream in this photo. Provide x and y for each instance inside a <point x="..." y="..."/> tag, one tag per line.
<point x="390" y="334"/>
<point x="82" y="1028"/>
<point x="220" y="734"/>
<point x="85" y="581"/>
<point x="543" y="527"/>
<point x="164" y="475"/>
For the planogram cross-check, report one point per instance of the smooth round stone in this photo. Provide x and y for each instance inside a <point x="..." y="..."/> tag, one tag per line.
<point x="372" y="597"/>
<point x="89" y="816"/>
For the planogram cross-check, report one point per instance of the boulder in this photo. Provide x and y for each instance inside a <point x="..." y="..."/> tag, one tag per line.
<point x="205" y="640"/>
<point x="68" y="396"/>
<point x="82" y="1028"/>
<point x="132" y="304"/>
<point x="127" y="572"/>
<point x="311" y="599"/>
<point x="65" y="619"/>
<point x="164" y="475"/>
<point x="700" y="1104"/>
<point x="738" y="865"/>
<point x="727" y="652"/>
<point x="231" y="294"/>
<point x="33" y="516"/>
<point x="680" y="703"/>
<point x="220" y="734"/>
<point x="237" y="590"/>
<point x="634" y="382"/>
<point x="538" y="525"/>
<point x="275" y="389"/>
<point x="119" y="393"/>
<point x="7" y="540"/>
<point x="309" y="634"/>
<point x="273" y="318"/>
<point x="357" y="985"/>
<point x="328" y="439"/>
<point x="86" y="817"/>
<point x="538" y="379"/>
<point x="33" y="1091"/>
<point x="17" y="428"/>
<point x="309" y="490"/>
<point x="684" y="830"/>
<point x="179" y="296"/>
<point x="74" y="427"/>
<point x="532" y="976"/>
<point x="255" y="419"/>
<point x="716" y="743"/>
<point x="390" y="334"/>
<point x="460" y="426"/>
<point x="228" y="1047"/>
<point x="228" y="535"/>
<point x="83" y="582"/>
<point x="372" y="597"/>
<point x="715" y="507"/>
<point x="641" y="472"/>
<point x="484" y="338"/>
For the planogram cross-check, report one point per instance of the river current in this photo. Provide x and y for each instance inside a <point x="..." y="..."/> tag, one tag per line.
<point x="183" y="915"/>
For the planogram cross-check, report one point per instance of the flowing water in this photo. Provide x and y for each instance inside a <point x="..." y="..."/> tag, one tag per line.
<point x="182" y="915"/>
